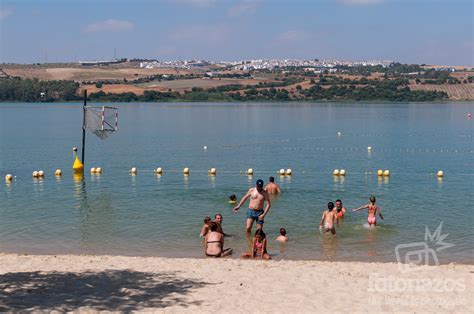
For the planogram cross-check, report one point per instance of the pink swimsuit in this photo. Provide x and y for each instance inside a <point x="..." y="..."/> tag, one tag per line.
<point x="371" y="220"/>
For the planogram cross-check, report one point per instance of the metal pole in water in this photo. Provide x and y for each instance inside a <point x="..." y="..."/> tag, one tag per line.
<point x="84" y="126"/>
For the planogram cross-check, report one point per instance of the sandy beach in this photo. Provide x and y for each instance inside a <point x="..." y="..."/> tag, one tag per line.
<point x="119" y="283"/>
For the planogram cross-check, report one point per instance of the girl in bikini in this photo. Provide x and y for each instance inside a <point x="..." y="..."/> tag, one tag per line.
<point x="214" y="243"/>
<point x="259" y="246"/>
<point x="372" y="211"/>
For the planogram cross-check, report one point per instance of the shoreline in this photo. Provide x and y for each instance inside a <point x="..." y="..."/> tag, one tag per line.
<point x="124" y="283"/>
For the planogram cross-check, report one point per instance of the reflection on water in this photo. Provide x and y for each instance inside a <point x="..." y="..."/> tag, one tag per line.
<point x="330" y="246"/>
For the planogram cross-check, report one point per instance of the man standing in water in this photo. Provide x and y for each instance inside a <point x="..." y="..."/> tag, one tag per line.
<point x="272" y="187"/>
<point x="257" y="196"/>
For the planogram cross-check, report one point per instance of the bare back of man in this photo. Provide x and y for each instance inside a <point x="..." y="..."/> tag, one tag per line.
<point x="272" y="187"/>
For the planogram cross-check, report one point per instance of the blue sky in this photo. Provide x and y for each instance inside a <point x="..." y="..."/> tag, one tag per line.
<point x="409" y="31"/>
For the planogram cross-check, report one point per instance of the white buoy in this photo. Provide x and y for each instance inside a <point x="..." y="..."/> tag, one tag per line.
<point x="440" y="174"/>
<point x="58" y="172"/>
<point x="158" y="170"/>
<point x="98" y="170"/>
<point x="342" y="172"/>
<point x="289" y="172"/>
<point x="339" y="133"/>
<point x="8" y="177"/>
<point x="282" y="172"/>
<point x="41" y="173"/>
<point x="93" y="170"/>
<point x="335" y="172"/>
<point x="386" y="173"/>
<point x="250" y="171"/>
<point x="35" y="174"/>
<point x="380" y="172"/>
<point x="204" y="147"/>
<point x="133" y="170"/>
<point x="186" y="171"/>
<point x="369" y="148"/>
<point x="212" y="171"/>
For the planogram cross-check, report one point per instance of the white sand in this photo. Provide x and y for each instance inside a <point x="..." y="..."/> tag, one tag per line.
<point x="117" y="283"/>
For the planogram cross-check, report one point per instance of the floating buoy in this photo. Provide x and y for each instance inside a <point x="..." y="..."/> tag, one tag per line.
<point x="212" y="171"/>
<point x="8" y="177"/>
<point x="98" y="170"/>
<point x="93" y="170"/>
<point x="380" y="172"/>
<point x="386" y="173"/>
<point x="289" y="172"/>
<point x="77" y="166"/>
<point x="342" y="172"/>
<point x="250" y="171"/>
<point x="469" y="115"/>
<point x="41" y="173"/>
<point x="35" y="174"/>
<point x="158" y="171"/>
<point x="335" y="172"/>
<point x="440" y="174"/>
<point x="369" y="148"/>
<point x="186" y="171"/>
<point x="204" y="147"/>
<point x="58" y="172"/>
<point x="339" y="133"/>
<point x="281" y="172"/>
<point x="133" y="170"/>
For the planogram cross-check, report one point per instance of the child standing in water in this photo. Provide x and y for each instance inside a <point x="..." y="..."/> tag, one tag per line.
<point x="259" y="246"/>
<point x="205" y="227"/>
<point x="329" y="219"/>
<point x="372" y="211"/>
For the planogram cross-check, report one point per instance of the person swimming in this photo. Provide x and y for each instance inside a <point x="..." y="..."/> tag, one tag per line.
<point x="232" y="199"/>
<point x="259" y="246"/>
<point x="372" y="211"/>
<point x="329" y="219"/>
<point x="340" y="210"/>
<point x="282" y="237"/>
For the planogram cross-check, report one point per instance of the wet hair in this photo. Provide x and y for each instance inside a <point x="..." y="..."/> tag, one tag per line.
<point x="207" y="219"/>
<point x="283" y="231"/>
<point x="260" y="233"/>
<point x="233" y="197"/>
<point x="213" y="226"/>
<point x="372" y="199"/>
<point x="218" y="214"/>
<point x="271" y="179"/>
<point x="330" y="205"/>
<point x="339" y="201"/>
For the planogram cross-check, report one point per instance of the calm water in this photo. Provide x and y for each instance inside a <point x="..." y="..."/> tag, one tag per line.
<point x="116" y="213"/>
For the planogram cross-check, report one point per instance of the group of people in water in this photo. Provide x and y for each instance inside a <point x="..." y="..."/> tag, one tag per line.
<point x="259" y="206"/>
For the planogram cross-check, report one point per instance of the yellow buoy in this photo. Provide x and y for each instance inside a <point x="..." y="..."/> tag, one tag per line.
<point x="342" y="172"/>
<point x="133" y="170"/>
<point x="158" y="171"/>
<point x="186" y="171"/>
<point x="380" y="172"/>
<point x="282" y="172"/>
<point x="98" y="170"/>
<point x="440" y="174"/>
<point x="212" y="171"/>
<point x="93" y="170"/>
<point x="335" y="172"/>
<point x="41" y="173"/>
<point x="35" y="174"/>
<point x="8" y="177"/>
<point x="78" y="167"/>
<point x="250" y="171"/>
<point x="289" y="172"/>
<point x="58" y="172"/>
<point x="386" y="173"/>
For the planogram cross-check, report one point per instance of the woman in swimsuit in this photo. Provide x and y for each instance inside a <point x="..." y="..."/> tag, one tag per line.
<point x="372" y="211"/>
<point x="214" y="243"/>
<point x="259" y="246"/>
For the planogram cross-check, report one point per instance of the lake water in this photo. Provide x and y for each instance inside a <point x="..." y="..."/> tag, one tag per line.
<point x="117" y="213"/>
